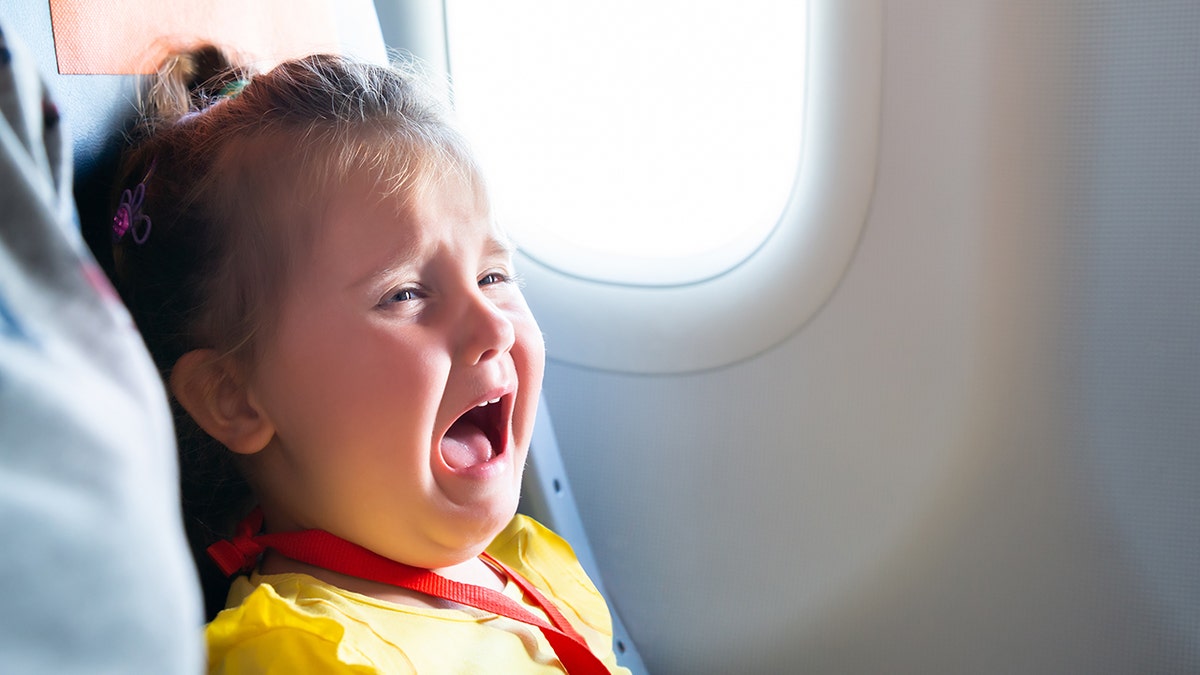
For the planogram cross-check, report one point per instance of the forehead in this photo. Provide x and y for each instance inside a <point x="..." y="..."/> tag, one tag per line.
<point x="369" y="227"/>
<point x="379" y="172"/>
<point x="367" y="196"/>
<point x="430" y="196"/>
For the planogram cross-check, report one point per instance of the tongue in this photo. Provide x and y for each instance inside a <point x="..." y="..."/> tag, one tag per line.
<point x="465" y="445"/>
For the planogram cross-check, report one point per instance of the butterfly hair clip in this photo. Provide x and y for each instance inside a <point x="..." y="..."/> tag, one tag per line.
<point x="129" y="217"/>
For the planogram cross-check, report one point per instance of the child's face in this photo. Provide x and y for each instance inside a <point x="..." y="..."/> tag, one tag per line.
<point x="388" y="340"/>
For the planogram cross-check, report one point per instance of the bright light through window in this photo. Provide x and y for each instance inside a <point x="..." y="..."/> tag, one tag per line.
<point x="635" y="141"/>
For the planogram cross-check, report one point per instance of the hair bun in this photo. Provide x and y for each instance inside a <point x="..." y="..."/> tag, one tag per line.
<point x="211" y="70"/>
<point x="189" y="81"/>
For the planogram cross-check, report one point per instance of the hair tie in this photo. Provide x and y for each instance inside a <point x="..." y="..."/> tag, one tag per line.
<point x="129" y="217"/>
<point x="233" y="88"/>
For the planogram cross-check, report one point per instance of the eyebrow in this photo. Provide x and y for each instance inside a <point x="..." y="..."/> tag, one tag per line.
<point x="396" y="263"/>
<point x="498" y="244"/>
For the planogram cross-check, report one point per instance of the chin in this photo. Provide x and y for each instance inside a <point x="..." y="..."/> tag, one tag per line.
<point x="474" y="532"/>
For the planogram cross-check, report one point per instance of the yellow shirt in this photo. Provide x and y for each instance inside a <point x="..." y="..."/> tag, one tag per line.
<point x="293" y="623"/>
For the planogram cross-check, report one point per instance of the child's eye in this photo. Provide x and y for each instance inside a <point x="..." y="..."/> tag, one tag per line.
<point x="401" y="295"/>
<point x="492" y="278"/>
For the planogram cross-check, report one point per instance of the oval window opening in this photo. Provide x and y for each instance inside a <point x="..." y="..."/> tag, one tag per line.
<point x="633" y="142"/>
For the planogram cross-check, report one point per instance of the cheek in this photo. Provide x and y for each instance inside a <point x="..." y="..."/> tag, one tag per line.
<point x="328" y="379"/>
<point x="528" y="333"/>
<point x="529" y="347"/>
<point x="529" y="356"/>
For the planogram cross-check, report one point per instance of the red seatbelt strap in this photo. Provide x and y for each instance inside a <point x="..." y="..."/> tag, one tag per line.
<point x="320" y="548"/>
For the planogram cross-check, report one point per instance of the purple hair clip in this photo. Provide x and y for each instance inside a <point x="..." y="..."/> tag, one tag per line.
<point x="129" y="217"/>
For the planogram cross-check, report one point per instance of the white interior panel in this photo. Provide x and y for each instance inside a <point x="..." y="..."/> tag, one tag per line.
<point x="982" y="454"/>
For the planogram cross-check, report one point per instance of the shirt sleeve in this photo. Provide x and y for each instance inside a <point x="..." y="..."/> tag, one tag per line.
<point x="284" y="650"/>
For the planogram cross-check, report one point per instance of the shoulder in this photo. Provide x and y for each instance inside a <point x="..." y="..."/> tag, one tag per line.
<point x="522" y="531"/>
<point x="532" y="549"/>
<point x="273" y="632"/>
<point x="549" y="562"/>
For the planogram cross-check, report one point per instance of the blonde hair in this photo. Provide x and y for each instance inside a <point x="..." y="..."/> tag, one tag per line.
<point x="235" y="166"/>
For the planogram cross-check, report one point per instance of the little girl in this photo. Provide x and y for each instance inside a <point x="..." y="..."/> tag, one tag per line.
<point x="310" y="256"/>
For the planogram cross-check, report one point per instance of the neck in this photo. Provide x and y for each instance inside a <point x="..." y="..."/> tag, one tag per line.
<point x="471" y="571"/>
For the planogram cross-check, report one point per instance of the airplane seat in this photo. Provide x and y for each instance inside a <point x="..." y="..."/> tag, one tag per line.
<point x="93" y="106"/>
<point x="96" y="109"/>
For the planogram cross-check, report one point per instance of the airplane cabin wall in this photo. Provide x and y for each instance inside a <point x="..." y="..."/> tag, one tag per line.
<point x="981" y="455"/>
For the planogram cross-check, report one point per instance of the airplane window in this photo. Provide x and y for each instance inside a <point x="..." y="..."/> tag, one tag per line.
<point x="686" y="181"/>
<point x="646" y="143"/>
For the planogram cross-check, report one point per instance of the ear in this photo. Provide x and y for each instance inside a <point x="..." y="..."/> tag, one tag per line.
<point x="213" y="391"/>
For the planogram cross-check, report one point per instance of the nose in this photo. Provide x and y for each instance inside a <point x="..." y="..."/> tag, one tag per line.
<point x="486" y="330"/>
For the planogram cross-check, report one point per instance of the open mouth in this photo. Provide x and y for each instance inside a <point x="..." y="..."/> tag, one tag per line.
<point x="478" y="435"/>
